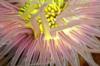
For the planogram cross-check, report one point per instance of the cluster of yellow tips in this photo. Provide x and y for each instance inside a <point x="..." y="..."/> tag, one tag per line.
<point x="32" y="8"/>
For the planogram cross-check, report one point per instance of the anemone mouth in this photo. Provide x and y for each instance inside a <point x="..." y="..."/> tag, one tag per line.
<point x="41" y="15"/>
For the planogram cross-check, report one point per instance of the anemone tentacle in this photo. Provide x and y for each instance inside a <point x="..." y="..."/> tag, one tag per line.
<point x="49" y="32"/>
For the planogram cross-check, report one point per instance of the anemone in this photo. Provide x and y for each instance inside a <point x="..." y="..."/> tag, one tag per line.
<point x="49" y="32"/>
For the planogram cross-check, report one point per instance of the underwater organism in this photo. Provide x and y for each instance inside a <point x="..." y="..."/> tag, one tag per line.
<point x="49" y="32"/>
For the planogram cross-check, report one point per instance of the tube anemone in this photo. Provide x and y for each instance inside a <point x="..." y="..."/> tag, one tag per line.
<point x="49" y="32"/>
